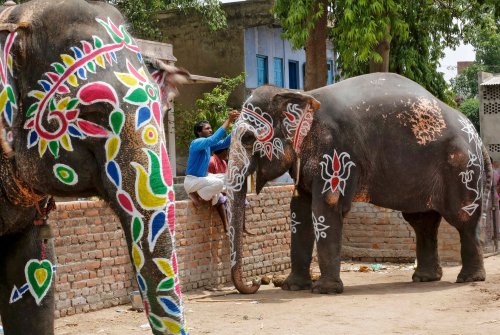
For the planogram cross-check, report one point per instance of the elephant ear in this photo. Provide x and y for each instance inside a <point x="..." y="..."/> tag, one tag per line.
<point x="298" y="112"/>
<point x="168" y="77"/>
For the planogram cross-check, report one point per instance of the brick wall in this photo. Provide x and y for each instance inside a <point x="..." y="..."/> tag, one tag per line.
<point x="94" y="270"/>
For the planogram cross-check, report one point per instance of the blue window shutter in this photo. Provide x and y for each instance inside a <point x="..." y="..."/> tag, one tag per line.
<point x="278" y="72"/>
<point x="261" y="70"/>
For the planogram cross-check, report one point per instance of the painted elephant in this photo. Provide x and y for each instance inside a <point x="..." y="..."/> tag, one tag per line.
<point x="83" y="117"/>
<point x="377" y="138"/>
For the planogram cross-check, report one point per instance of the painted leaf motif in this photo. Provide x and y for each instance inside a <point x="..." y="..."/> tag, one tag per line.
<point x="127" y="79"/>
<point x="75" y="132"/>
<point x="100" y="61"/>
<point x="54" y="148"/>
<point x="165" y="165"/>
<point x="72" y="80"/>
<point x="3" y="100"/>
<point x="32" y="138"/>
<point x="72" y="104"/>
<point x="143" y="116"/>
<point x="97" y="92"/>
<point x="66" y="142"/>
<point x="67" y="60"/>
<point x="91" y="129"/>
<point x="166" y="284"/>
<point x="126" y="36"/>
<point x="53" y="76"/>
<point x="137" y="229"/>
<point x="140" y="75"/>
<point x="33" y="108"/>
<point x="169" y="306"/>
<point x="112" y="147"/>
<point x="45" y="85"/>
<point x="117" y="120"/>
<point x="58" y="67"/>
<point x="91" y="66"/>
<point x="71" y="115"/>
<point x="146" y="198"/>
<point x="42" y="147"/>
<point x="137" y="257"/>
<point x="113" y="172"/>
<point x="61" y="105"/>
<point x="52" y="105"/>
<point x="155" y="178"/>
<point x="78" y="52"/>
<point x="97" y="42"/>
<point x="82" y="73"/>
<point x="157" y="225"/>
<point x="63" y="89"/>
<point x="36" y="94"/>
<point x="87" y="47"/>
<point x="136" y="96"/>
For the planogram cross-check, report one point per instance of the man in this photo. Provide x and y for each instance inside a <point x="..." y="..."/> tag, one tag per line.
<point x="218" y="161"/>
<point x="199" y="184"/>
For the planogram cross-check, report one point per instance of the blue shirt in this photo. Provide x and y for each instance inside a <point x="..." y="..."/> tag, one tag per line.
<point x="200" y="150"/>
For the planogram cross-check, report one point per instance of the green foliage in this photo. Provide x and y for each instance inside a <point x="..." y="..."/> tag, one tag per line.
<point x="212" y="107"/>
<point x="360" y="26"/>
<point x="141" y="14"/>
<point x="486" y="41"/>
<point x="470" y="108"/>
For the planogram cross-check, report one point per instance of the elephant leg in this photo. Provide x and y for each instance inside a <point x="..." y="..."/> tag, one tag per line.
<point x="471" y="250"/>
<point x="302" y="244"/>
<point x="426" y="227"/>
<point x="27" y="277"/>
<point x="327" y="225"/>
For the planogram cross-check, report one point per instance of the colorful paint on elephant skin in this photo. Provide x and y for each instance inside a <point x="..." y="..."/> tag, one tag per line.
<point x="85" y="59"/>
<point x="8" y="104"/>
<point x="39" y="275"/>
<point x="297" y="124"/>
<point x="476" y="160"/>
<point x="263" y="129"/>
<point x="65" y="174"/>
<point x="319" y="227"/>
<point x="335" y="171"/>
<point x="153" y="192"/>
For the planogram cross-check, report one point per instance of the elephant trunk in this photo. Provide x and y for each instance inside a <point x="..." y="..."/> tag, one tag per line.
<point x="236" y="224"/>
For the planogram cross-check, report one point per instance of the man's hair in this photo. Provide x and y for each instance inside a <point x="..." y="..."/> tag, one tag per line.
<point x="199" y="127"/>
<point x="220" y="151"/>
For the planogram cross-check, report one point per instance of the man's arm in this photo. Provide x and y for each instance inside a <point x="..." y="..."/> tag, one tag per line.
<point x="216" y="139"/>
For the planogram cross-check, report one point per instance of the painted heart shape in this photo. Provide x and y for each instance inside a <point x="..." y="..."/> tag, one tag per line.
<point x="39" y="276"/>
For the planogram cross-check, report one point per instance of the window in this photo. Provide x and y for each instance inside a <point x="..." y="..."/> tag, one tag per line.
<point x="293" y="74"/>
<point x="278" y="72"/>
<point x="331" y="78"/>
<point x="261" y="70"/>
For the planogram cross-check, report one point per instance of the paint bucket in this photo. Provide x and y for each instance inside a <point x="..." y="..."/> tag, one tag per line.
<point x="136" y="300"/>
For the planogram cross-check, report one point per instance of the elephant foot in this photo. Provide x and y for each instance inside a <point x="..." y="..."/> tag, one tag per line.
<point x="470" y="276"/>
<point x="296" y="283"/>
<point x="328" y="286"/>
<point x="425" y="275"/>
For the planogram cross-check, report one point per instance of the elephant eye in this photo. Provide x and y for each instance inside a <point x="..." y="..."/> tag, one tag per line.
<point x="248" y="138"/>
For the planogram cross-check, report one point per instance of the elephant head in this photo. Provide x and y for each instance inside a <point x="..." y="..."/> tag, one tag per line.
<point x="266" y="139"/>
<point x="84" y="117"/>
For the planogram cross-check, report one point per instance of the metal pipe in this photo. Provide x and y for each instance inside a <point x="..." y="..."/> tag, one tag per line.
<point x="494" y="209"/>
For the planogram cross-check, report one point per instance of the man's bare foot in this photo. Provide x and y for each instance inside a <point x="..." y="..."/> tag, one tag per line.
<point x="197" y="200"/>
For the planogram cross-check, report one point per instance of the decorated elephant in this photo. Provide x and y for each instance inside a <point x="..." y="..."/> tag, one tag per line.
<point x="81" y="116"/>
<point x="378" y="138"/>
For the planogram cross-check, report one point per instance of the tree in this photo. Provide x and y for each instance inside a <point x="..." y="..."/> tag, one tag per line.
<point x="407" y="36"/>
<point x="305" y="24"/>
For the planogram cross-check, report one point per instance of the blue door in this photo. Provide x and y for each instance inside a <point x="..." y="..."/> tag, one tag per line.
<point x="293" y="74"/>
<point x="330" y="73"/>
<point x="278" y="72"/>
<point x="261" y="70"/>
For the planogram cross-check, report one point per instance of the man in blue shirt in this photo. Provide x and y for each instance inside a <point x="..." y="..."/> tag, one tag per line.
<point x="199" y="184"/>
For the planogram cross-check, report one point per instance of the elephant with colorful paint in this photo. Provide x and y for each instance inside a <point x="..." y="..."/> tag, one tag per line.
<point x="82" y="116"/>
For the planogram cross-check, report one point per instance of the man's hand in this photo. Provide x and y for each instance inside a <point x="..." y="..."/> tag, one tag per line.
<point x="233" y="115"/>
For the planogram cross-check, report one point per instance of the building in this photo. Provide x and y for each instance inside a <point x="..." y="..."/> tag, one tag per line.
<point x="489" y="112"/>
<point x="251" y="43"/>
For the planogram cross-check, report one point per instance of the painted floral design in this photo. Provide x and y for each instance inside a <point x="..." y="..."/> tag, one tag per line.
<point x="8" y="104"/>
<point x="473" y="181"/>
<point x="297" y="124"/>
<point x="335" y="171"/>
<point x="319" y="227"/>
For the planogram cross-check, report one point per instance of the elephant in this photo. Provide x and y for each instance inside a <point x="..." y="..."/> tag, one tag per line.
<point x="82" y="116"/>
<point x="377" y="138"/>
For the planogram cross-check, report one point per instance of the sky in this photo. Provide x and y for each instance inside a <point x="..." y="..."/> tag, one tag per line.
<point x="449" y="62"/>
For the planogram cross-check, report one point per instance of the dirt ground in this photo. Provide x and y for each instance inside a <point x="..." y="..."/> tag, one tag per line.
<point x="384" y="301"/>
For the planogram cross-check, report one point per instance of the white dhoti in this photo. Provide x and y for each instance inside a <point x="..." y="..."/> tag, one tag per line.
<point x="209" y="187"/>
